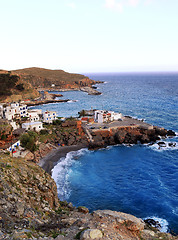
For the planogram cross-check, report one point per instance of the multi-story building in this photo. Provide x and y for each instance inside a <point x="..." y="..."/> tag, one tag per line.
<point x="102" y="116"/>
<point x="49" y="116"/>
<point x="34" y="115"/>
<point x="23" y="110"/>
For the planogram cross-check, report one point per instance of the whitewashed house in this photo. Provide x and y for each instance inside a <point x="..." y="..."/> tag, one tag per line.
<point x="9" y="113"/>
<point x="37" y="126"/>
<point x="13" y="110"/>
<point x="14" y="125"/>
<point x="23" y="110"/>
<point x="34" y="115"/>
<point x="49" y="116"/>
<point x="14" y="146"/>
<point x="117" y="116"/>
<point x="1" y="111"/>
<point x="102" y="116"/>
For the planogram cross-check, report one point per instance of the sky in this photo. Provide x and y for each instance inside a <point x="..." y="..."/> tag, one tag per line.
<point x="89" y="35"/>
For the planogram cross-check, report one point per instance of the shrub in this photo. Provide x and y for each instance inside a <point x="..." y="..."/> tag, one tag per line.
<point x="43" y="131"/>
<point x="57" y="122"/>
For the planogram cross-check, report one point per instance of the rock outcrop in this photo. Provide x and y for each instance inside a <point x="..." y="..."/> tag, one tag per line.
<point x="127" y="135"/>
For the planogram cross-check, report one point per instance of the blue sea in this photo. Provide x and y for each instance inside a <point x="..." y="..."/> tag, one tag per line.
<point x="141" y="180"/>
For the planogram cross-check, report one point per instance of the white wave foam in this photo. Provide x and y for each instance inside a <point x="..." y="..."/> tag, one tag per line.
<point x="164" y="147"/>
<point x="163" y="222"/>
<point x="175" y="211"/>
<point x="61" y="172"/>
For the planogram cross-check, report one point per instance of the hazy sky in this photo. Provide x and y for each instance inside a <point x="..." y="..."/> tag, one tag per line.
<point x="89" y="35"/>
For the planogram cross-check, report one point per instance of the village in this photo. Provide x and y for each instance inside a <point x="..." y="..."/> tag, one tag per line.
<point x="22" y="119"/>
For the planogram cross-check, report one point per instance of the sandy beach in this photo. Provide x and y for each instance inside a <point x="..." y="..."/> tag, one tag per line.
<point x="51" y="159"/>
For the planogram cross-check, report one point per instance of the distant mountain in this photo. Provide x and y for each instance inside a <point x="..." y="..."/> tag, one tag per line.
<point x="25" y="83"/>
<point x="57" y="79"/>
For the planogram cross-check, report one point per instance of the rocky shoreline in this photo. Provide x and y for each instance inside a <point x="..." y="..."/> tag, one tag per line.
<point x="101" y="138"/>
<point x="89" y="90"/>
<point x="45" y="101"/>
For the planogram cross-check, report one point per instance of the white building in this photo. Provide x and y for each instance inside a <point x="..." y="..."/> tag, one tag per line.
<point x="37" y="126"/>
<point x="49" y="116"/>
<point x="117" y="116"/>
<point x="14" y="110"/>
<point x="9" y="113"/>
<point x="14" y="146"/>
<point x="106" y="116"/>
<point x="16" y="107"/>
<point x="14" y="125"/>
<point x="23" y="110"/>
<point x="1" y="111"/>
<point x="34" y="115"/>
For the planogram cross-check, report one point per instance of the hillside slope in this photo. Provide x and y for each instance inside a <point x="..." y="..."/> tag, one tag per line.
<point x="14" y="88"/>
<point x="57" y="79"/>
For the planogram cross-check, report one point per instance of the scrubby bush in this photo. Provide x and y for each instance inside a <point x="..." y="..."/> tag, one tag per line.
<point x="44" y="132"/>
<point x="57" y="122"/>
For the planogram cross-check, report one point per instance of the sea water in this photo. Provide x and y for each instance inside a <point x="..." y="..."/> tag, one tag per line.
<point x="141" y="179"/>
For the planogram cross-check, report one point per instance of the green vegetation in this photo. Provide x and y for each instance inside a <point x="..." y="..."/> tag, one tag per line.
<point x="57" y="122"/>
<point x="28" y="141"/>
<point x="82" y="113"/>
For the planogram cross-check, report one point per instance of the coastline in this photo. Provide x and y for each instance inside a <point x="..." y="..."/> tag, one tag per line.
<point x="41" y="102"/>
<point x="53" y="157"/>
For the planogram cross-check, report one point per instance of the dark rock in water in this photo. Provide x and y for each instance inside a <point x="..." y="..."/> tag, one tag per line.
<point x="151" y="144"/>
<point x="171" y="133"/>
<point x="162" y="144"/>
<point x="160" y="131"/>
<point x="172" y="144"/>
<point x="151" y="222"/>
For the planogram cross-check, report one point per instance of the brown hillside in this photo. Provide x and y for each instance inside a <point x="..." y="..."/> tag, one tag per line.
<point x="44" y="78"/>
<point x="14" y="88"/>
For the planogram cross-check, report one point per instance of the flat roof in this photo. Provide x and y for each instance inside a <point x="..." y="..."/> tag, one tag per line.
<point x="32" y="123"/>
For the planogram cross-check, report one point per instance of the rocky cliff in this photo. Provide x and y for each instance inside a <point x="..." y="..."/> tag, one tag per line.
<point x="128" y="135"/>
<point x="30" y="209"/>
